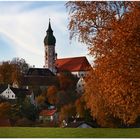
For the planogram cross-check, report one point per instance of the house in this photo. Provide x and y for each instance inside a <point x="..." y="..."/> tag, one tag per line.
<point x="48" y="115"/>
<point x="12" y="93"/>
<point x="75" y="122"/>
<point x="6" y="92"/>
<point x="80" y="124"/>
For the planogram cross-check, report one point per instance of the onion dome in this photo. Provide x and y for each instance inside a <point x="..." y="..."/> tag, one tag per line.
<point x="49" y="38"/>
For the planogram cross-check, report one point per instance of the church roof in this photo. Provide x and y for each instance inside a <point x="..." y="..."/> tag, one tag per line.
<point x="39" y="72"/>
<point x="39" y="77"/>
<point x="72" y="64"/>
<point x="49" y="38"/>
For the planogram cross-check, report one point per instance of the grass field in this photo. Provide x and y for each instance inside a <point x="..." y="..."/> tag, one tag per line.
<point x="36" y="132"/>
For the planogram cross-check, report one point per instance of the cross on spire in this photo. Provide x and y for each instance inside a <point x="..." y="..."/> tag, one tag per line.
<point x="49" y="27"/>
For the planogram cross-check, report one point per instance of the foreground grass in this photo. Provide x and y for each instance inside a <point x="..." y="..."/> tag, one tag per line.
<point x="36" y="132"/>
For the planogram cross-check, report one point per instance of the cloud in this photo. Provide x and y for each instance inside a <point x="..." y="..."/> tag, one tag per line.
<point x="24" y="24"/>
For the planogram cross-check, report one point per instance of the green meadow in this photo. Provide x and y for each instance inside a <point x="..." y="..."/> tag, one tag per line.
<point x="38" y="132"/>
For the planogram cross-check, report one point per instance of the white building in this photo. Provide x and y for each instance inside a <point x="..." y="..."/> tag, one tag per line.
<point x="8" y="93"/>
<point x="80" y="85"/>
<point x="78" y="66"/>
<point x="12" y="93"/>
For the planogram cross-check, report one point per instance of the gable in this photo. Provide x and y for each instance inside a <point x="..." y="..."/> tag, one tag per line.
<point x="8" y="93"/>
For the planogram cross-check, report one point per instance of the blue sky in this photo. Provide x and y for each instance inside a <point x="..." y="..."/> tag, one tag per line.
<point x="23" y="27"/>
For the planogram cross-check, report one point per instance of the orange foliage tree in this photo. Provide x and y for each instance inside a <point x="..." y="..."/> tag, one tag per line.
<point x="67" y="111"/>
<point x="5" y="110"/>
<point x="40" y="99"/>
<point x="10" y="73"/>
<point x="52" y="95"/>
<point x="80" y="106"/>
<point x="112" y="29"/>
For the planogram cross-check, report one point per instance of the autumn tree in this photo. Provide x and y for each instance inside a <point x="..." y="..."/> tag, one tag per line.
<point x="112" y="31"/>
<point x="52" y="95"/>
<point x="21" y="64"/>
<point x="5" y="110"/>
<point x="67" y="111"/>
<point x="80" y="106"/>
<point x="67" y="86"/>
<point x="12" y="71"/>
<point x="40" y="99"/>
<point x="67" y="80"/>
<point x="5" y="73"/>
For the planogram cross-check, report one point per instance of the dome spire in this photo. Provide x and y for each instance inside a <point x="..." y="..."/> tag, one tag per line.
<point x="49" y="39"/>
<point x="49" y="27"/>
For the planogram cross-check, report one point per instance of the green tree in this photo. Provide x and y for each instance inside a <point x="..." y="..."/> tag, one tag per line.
<point x="29" y="110"/>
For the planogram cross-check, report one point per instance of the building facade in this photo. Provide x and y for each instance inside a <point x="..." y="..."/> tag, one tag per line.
<point x="49" y="44"/>
<point x="78" y="66"/>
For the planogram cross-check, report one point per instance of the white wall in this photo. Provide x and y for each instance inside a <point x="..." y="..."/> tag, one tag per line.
<point x="80" y="85"/>
<point x="80" y="73"/>
<point x="8" y="94"/>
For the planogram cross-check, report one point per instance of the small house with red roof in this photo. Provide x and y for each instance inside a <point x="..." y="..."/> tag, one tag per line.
<point x="48" y="115"/>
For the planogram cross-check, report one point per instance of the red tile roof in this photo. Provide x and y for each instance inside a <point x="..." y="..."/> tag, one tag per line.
<point x="47" y="112"/>
<point x="72" y="64"/>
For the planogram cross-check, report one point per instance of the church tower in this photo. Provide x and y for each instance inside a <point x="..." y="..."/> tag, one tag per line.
<point x="49" y="44"/>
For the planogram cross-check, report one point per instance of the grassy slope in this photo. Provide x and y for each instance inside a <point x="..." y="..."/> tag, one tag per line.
<point x="30" y="132"/>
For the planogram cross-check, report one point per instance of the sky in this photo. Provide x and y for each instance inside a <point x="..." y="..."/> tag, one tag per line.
<point x="23" y="26"/>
